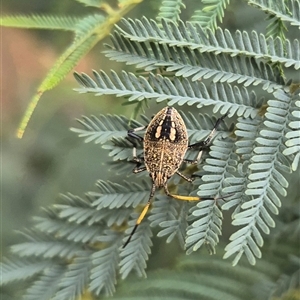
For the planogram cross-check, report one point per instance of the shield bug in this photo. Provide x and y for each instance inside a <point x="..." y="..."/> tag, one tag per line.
<point x="165" y="143"/>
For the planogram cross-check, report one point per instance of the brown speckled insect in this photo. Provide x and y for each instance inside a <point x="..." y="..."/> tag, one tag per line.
<point x="165" y="144"/>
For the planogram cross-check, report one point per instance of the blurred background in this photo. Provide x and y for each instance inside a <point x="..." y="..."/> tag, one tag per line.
<point x="50" y="159"/>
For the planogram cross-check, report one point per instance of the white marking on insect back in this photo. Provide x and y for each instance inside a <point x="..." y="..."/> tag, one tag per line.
<point x="158" y="131"/>
<point x="172" y="134"/>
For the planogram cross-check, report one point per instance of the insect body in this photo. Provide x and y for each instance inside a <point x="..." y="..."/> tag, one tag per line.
<point x="165" y="144"/>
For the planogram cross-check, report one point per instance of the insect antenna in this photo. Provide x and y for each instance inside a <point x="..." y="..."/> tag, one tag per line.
<point x="142" y="215"/>
<point x="131" y="234"/>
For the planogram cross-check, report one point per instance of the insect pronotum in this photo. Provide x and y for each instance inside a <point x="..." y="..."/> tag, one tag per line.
<point x="165" y="144"/>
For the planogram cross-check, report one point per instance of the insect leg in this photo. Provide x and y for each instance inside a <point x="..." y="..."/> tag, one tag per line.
<point x="204" y="144"/>
<point x="131" y="137"/>
<point x="180" y="197"/>
<point x="189" y="179"/>
<point x="191" y="198"/>
<point x="139" y="169"/>
<point x="142" y="215"/>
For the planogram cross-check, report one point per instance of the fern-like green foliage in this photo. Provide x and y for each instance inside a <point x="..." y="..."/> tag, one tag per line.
<point x="170" y="10"/>
<point x="88" y="31"/>
<point x="188" y="42"/>
<point x="77" y="244"/>
<point x="41" y="22"/>
<point x="93" y="3"/>
<point x="293" y="141"/>
<point x="286" y="10"/>
<point x="212" y="12"/>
